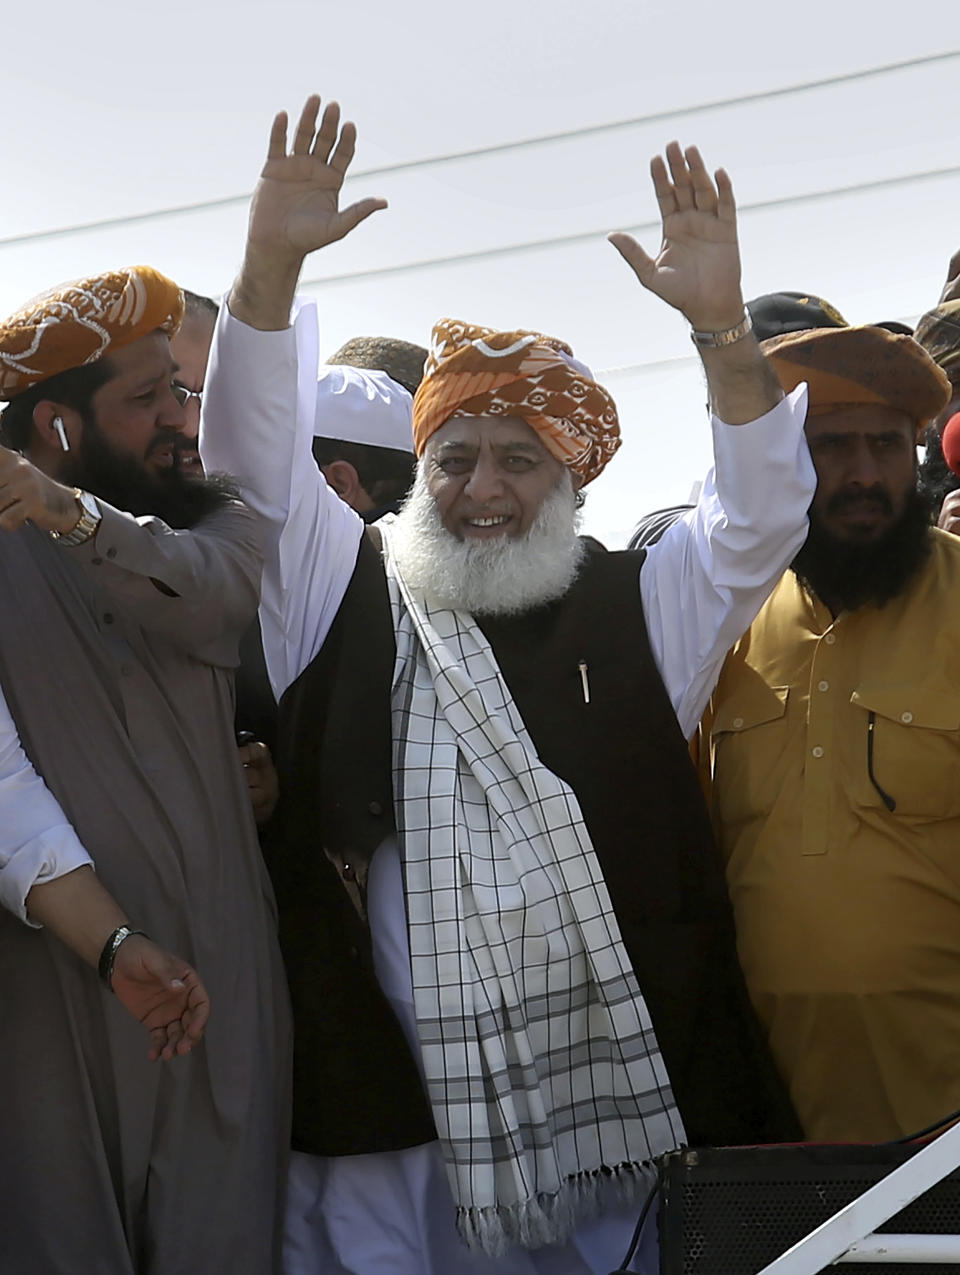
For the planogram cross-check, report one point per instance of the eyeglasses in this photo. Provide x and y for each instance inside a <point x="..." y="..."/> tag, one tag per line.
<point x="183" y="395"/>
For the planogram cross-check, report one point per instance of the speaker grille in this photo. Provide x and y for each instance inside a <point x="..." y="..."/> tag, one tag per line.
<point x="736" y="1209"/>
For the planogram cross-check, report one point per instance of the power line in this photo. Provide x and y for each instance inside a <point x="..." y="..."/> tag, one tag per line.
<point x="501" y="148"/>
<point x="585" y="236"/>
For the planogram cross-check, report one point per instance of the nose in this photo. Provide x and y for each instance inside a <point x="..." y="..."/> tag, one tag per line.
<point x="863" y="467"/>
<point x="485" y="483"/>
<point x="173" y="414"/>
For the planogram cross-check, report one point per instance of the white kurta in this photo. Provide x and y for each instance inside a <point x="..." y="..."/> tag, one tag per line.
<point x="700" y="588"/>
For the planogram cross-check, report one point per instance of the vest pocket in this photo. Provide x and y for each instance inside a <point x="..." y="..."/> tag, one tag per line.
<point x="915" y="749"/>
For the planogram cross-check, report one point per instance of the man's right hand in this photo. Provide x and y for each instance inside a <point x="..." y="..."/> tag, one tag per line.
<point x="27" y="494"/>
<point x="295" y="211"/>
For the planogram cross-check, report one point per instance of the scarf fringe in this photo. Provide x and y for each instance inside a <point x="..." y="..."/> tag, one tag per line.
<point x="551" y="1219"/>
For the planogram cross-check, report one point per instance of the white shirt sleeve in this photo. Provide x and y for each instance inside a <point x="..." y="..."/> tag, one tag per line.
<point x="262" y="405"/>
<point x="703" y="583"/>
<point x="37" y="843"/>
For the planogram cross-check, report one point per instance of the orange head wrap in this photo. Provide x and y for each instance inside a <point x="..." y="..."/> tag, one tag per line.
<point x="79" y="322"/>
<point x="474" y="371"/>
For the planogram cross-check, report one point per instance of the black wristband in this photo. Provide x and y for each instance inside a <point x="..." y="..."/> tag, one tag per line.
<point x="108" y="955"/>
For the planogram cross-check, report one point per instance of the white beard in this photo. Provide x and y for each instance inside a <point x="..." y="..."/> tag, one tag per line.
<point x="505" y="575"/>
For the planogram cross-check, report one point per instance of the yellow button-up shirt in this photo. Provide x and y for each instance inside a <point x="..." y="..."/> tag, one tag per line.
<point x="848" y="913"/>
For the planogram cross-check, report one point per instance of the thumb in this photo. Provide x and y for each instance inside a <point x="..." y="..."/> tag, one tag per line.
<point x="639" y="262"/>
<point x="351" y="217"/>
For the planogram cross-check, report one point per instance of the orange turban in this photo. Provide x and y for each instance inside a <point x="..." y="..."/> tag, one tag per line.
<point x="474" y="371"/>
<point x="79" y="322"/>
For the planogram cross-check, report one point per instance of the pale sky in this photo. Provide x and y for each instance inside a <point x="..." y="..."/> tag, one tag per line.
<point x="848" y="189"/>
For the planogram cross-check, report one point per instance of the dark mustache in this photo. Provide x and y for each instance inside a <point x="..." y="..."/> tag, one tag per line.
<point x="875" y="499"/>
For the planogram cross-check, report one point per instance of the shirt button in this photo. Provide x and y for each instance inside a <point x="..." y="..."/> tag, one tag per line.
<point x="817" y="752"/>
<point x="823" y="686"/>
<point x="906" y="717"/>
<point x="830" y="638"/>
<point x="108" y="618"/>
<point x="375" y="808"/>
<point x="97" y="562"/>
<point x="111" y="552"/>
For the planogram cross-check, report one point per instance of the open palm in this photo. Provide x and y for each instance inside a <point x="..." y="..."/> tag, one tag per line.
<point x="296" y="205"/>
<point x="697" y="269"/>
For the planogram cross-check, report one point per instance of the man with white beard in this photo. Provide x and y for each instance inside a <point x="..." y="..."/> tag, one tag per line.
<point x="509" y="944"/>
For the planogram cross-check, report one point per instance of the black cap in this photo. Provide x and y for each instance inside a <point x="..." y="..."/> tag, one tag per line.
<point x="776" y="313"/>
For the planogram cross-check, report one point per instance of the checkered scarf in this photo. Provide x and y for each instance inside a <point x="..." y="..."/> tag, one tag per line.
<point x="541" y="1063"/>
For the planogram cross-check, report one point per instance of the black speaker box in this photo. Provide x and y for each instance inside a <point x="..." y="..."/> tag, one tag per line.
<point x="732" y="1210"/>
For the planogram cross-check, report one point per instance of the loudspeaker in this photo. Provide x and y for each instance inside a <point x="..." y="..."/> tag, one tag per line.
<point x="734" y="1209"/>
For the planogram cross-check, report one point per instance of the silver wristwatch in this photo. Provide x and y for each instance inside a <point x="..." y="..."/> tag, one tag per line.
<point x="86" y="525"/>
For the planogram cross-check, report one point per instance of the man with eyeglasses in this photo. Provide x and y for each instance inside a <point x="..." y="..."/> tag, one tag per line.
<point x="836" y="745"/>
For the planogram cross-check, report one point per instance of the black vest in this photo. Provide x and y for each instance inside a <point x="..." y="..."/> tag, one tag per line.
<point x="622" y="753"/>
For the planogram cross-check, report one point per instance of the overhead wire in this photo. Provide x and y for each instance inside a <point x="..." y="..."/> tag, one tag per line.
<point x="480" y="152"/>
<point x="586" y="236"/>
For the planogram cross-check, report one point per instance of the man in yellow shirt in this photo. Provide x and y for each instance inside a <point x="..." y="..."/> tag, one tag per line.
<point x="836" y="761"/>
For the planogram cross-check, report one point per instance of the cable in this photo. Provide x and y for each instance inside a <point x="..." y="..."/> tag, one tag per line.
<point x="638" y="1229"/>
<point x="499" y="148"/>
<point x="585" y="236"/>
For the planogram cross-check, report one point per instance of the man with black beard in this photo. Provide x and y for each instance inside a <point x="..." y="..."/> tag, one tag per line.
<point x="124" y="588"/>
<point x="507" y="935"/>
<point x="836" y="745"/>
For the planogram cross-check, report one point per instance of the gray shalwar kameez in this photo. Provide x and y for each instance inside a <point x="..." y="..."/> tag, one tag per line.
<point x="116" y="660"/>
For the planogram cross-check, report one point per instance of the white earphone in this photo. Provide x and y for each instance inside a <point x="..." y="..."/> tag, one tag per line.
<point x="61" y="433"/>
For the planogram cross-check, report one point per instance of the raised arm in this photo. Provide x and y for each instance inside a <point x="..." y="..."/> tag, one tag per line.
<point x="703" y="583"/>
<point x="263" y="398"/>
<point x="295" y="211"/>
<point x="697" y="271"/>
<point x="198" y="587"/>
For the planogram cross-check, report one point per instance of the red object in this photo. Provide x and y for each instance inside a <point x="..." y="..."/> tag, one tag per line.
<point x="951" y="443"/>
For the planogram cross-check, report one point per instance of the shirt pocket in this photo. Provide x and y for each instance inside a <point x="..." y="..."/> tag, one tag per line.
<point x="749" y="737"/>
<point x="915" y="755"/>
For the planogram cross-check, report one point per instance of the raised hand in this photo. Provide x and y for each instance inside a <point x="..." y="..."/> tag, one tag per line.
<point x="28" y="494"/>
<point x="697" y="269"/>
<point x="296" y="205"/>
<point x="162" y="992"/>
<point x="295" y="210"/>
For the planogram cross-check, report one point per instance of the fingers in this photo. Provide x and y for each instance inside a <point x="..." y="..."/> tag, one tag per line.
<point x="704" y="191"/>
<point x="726" y="204"/>
<point x="680" y="175"/>
<point x="306" y="125"/>
<point x="327" y="134"/>
<point x="682" y="183"/>
<point x="277" y="146"/>
<point x="346" y="146"/>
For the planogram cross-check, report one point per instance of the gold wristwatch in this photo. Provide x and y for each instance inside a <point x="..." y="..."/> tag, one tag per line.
<point x="86" y="525"/>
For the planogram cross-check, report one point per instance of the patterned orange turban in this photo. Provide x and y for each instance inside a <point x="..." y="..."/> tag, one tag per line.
<point x="78" y="322"/>
<point x="474" y="371"/>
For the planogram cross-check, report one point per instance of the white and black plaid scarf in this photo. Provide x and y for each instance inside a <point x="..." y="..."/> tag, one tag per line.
<point x="542" y="1067"/>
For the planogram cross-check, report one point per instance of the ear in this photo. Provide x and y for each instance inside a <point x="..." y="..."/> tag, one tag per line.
<point x="47" y="434"/>
<point x="345" y="481"/>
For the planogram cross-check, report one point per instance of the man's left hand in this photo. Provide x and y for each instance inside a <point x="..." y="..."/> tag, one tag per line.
<point x="697" y="269"/>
